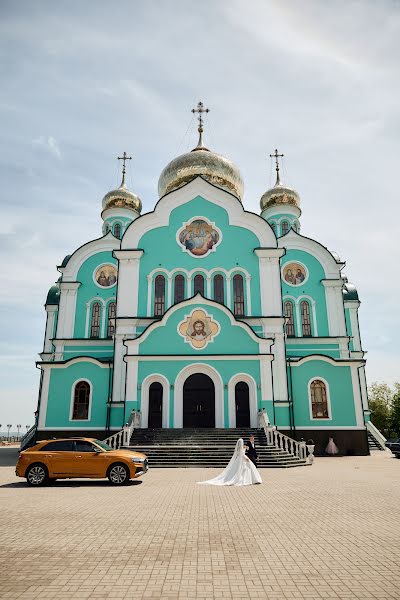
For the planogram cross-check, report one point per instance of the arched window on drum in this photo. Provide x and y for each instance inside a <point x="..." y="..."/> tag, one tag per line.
<point x="285" y="227"/>
<point x="117" y="230"/>
<point x="305" y="318"/>
<point x="179" y="288"/>
<point x="159" y="295"/>
<point x="219" y="289"/>
<point x="289" y="314"/>
<point x="319" y="400"/>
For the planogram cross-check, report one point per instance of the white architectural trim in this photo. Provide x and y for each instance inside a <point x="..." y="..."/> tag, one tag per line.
<point x="67" y="308"/>
<point x="246" y="378"/>
<point x="328" y="399"/>
<point x="51" y="311"/>
<point x="199" y="187"/>
<point x="71" y="406"/>
<point x="145" y="393"/>
<point x="191" y="357"/>
<point x="358" y="404"/>
<point x="295" y="241"/>
<point x="44" y="397"/>
<point x="324" y="427"/>
<point x="108" y="243"/>
<point x="186" y="372"/>
<point x="128" y="281"/>
<point x="73" y="361"/>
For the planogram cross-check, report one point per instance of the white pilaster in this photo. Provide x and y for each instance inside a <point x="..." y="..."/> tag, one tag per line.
<point x="228" y="293"/>
<point x="44" y="395"/>
<point x="128" y="281"/>
<point x="334" y="306"/>
<point x="67" y="308"/>
<point x="119" y="374"/>
<point x="270" y="280"/>
<point x="169" y="291"/>
<point x="248" y="294"/>
<point x="358" y="407"/>
<point x="353" y="306"/>
<point x="279" y="368"/>
<point x="51" y="310"/>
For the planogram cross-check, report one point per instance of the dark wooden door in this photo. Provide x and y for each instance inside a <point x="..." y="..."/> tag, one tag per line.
<point x="155" y="405"/>
<point x="198" y="401"/>
<point x="242" y="403"/>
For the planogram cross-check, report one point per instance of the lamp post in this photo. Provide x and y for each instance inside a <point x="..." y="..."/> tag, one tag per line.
<point x="18" y="428"/>
<point x="8" y="433"/>
<point x="27" y="428"/>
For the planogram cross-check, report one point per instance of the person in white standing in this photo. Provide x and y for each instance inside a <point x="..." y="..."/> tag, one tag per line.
<point x="239" y="471"/>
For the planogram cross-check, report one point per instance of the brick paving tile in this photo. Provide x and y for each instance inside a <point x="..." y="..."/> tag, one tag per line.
<point x="330" y="531"/>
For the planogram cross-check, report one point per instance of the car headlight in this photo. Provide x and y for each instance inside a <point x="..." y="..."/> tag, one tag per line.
<point x="138" y="460"/>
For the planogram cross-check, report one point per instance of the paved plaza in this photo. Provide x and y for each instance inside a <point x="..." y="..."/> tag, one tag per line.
<point x="327" y="531"/>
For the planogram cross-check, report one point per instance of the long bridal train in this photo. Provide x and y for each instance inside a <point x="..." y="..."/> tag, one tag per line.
<point x="239" y="471"/>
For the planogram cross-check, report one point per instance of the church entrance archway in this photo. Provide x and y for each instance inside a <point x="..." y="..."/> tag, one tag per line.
<point x="242" y="404"/>
<point x="199" y="401"/>
<point x="155" y="405"/>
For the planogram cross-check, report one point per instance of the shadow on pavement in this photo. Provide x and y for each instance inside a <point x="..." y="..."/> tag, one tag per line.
<point x="72" y="483"/>
<point x="8" y="456"/>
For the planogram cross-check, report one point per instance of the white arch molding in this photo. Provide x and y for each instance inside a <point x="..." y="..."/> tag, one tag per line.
<point x="252" y="398"/>
<point x="186" y="372"/>
<point x="144" y="403"/>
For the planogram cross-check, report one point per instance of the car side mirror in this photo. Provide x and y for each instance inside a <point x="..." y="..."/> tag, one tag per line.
<point x="97" y="451"/>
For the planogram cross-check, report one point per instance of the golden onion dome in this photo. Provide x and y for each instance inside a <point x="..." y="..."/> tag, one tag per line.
<point x="279" y="194"/>
<point x="215" y="168"/>
<point x="122" y="198"/>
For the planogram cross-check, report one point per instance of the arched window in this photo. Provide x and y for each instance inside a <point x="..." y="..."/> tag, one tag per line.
<point x="95" y="322"/>
<point x="80" y="409"/>
<point x="159" y="295"/>
<point x="219" y="292"/>
<point x="117" y="230"/>
<point x="198" y="285"/>
<point x="238" y="295"/>
<point x="319" y="400"/>
<point x="285" y="227"/>
<point x="290" y="319"/>
<point x="112" y="313"/>
<point x="305" y="318"/>
<point x="179" y="288"/>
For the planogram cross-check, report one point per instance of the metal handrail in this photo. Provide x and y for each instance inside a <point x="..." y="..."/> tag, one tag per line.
<point x="376" y="434"/>
<point x="26" y="438"/>
<point x="279" y="440"/>
<point x="123" y="437"/>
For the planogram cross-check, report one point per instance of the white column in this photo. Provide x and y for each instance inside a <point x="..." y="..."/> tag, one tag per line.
<point x="169" y="291"/>
<point x="67" y="308"/>
<point x="119" y="374"/>
<point x="149" y="280"/>
<point x="358" y="407"/>
<point x="270" y="280"/>
<point x="248" y="294"/>
<point x="228" y="293"/>
<point x="279" y="368"/>
<point x="363" y="386"/>
<point x="353" y="306"/>
<point x="334" y="306"/>
<point x="51" y="310"/>
<point x="128" y="281"/>
<point x="131" y="378"/>
<point x="208" y="292"/>
<point x="44" y="394"/>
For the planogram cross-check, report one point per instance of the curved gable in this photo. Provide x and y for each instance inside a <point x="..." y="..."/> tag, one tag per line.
<point x="107" y="243"/>
<point x="295" y="241"/>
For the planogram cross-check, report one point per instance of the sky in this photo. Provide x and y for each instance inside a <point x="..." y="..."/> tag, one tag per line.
<point x="81" y="82"/>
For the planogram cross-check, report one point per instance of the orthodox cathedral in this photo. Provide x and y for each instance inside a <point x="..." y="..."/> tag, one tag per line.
<point x="201" y="314"/>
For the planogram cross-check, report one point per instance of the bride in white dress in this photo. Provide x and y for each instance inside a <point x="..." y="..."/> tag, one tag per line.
<point x="240" y="470"/>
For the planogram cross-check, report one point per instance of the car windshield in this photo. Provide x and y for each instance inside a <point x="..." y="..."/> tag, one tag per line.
<point x="103" y="445"/>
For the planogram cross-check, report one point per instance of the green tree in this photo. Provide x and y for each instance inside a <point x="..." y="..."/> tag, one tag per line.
<point x="380" y="398"/>
<point x="395" y="413"/>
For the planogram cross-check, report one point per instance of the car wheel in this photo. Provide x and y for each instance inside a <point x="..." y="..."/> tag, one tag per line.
<point x="37" y="475"/>
<point x="118" y="474"/>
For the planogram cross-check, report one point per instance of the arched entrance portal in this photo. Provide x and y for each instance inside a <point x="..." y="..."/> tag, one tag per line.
<point x="155" y="405"/>
<point x="242" y="404"/>
<point x="199" y="401"/>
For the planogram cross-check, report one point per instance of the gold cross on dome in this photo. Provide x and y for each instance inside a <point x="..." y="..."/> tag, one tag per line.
<point x="277" y="157"/>
<point x="200" y="110"/>
<point x="124" y="158"/>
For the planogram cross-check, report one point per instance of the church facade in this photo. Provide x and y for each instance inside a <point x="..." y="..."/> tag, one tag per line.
<point x="201" y="314"/>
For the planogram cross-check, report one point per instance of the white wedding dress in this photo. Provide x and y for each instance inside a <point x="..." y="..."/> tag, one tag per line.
<point x="240" y="470"/>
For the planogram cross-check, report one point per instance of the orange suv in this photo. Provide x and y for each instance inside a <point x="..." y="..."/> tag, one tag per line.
<point x="79" y="457"/>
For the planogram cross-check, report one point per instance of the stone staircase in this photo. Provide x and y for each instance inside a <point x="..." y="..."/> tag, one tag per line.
<point x="205" y="447"/>
<point x="373" y="444"/>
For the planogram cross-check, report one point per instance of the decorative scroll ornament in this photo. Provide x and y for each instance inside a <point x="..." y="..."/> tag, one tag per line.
<point x="198" y="329"/>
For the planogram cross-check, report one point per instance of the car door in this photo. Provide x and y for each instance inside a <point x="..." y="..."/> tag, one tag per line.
<point x="59" y="458"/>
<point x="90" y="460"/>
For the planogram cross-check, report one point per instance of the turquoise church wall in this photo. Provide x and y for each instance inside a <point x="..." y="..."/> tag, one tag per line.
<point x="235" y="250"/>
<point x="312" y="287"/>
<point x="88" y="289"/>
<point x="340" y="392"/>
<point x="60" y="394"/>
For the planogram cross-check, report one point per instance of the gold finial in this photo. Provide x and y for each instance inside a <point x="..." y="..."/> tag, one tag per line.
<point x="277" y="156"/>
<point x="124" y="158"/>
<point x="200" y="109"/>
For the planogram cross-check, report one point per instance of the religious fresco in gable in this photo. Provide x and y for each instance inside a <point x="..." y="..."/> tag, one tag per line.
<point x="294" y="273"/>
<point x="106" y="276"/>
<point x="199" y="237"/>
<point x="198" y="329"/>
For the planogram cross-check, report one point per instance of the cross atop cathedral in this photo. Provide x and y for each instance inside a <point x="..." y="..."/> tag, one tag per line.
<point x="124" y="158"/>
<point x="277" y="157"/>
<point x="200" y="110"/>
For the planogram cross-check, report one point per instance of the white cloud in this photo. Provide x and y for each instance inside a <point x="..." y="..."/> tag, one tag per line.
<point x="49" y="144"/>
